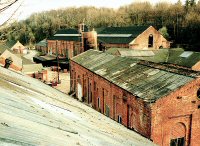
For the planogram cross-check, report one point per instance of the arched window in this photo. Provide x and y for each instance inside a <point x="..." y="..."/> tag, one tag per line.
<point x="178" y="134"/>
<point x="150" y="42"/>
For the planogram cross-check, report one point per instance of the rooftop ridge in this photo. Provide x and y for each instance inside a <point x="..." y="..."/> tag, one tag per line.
<point x="171" y="68"/>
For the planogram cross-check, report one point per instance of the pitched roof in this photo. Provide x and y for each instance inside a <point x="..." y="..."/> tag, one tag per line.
<point x="32" y="113"/>
<point x="17" y="61"/>
<point x="173" y="56"/>
<point x="112" y="35"/>
<point x="42" y="43"/>
<point x="31" y="68"/>
<point x="145" y="80"/>
<point x="160" y="55"/>
<point x="184" y="58"/>
<point x="17" y="45"/>
<point x="67" y="35"/>
<point x="119" y="35"/>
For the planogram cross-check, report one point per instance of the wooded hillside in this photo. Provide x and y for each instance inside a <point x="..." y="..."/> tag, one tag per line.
<point x="181" y="20"/>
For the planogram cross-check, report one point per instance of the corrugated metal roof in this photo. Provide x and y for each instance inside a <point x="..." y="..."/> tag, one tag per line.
<point x="32" y="113"/>
<point x="136" y="53"/>
<point x="173" y="56"/>
<point x="146" y="80"/>
<point x="66" y="34"/>
<point x="160" y="55"/>
<point x="119" y="35"/>
<point x="133" y="30"/>
<point x="184" y="58"/>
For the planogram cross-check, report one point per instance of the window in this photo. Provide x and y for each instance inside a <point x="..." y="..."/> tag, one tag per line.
<point x="107" y="111"/>
<point x="177" y="142"/>
<point x="119" y="119"/>
<point x="67" y="53"/>
<point x="99" y="102"/>
<point x="150" y="42"/>
<point x="198" y="94"/>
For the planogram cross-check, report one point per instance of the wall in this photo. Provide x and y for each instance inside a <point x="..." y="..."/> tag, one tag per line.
<point x="91" y="37"/>
<point x="42" y="49"/>
<point x="196" y="67"/>
<point x="182" y="107"/>
<point x="116" y="45"/>
<point x="43" y="75"/>
<point x="114" y="101"/>
<point x="64" y="48"/>
<point x="141" y="42"/>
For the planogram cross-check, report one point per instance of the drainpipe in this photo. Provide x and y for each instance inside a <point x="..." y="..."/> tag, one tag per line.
<point x="8" y="62"/>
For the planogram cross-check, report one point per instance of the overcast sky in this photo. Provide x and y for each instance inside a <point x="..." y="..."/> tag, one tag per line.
<point x="31" y="6"/>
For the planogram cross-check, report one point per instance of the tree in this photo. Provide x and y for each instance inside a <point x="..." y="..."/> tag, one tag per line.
<point x="164" y="32"/>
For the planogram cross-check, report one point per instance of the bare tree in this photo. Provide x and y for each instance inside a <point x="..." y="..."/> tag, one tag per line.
<point x="6" y="5"/>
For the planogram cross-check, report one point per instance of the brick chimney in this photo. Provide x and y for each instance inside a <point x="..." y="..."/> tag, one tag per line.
<point x="8" y="62"/>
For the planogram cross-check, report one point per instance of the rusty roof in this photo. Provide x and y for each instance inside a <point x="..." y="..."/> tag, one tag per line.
<point x="146" y="80"/>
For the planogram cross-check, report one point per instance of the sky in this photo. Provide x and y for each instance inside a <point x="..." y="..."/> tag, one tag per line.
<point x="31" y="6"/>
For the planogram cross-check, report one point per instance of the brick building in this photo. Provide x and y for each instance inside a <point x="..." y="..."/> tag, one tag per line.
<point x="134" y="37"/>
<point x="158" y="101"/>
<point x="18" y="48"/>
<point x="71" y="42"/>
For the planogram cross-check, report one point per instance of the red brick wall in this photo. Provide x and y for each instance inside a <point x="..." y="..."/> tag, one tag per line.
<point x="64" y="47"/>
<point x="116" y="45"/>
<point x="180" y="107"/>
<point x="142" y="40"/>
<point x="135" y="113"/>
<point x="179" y="110"/>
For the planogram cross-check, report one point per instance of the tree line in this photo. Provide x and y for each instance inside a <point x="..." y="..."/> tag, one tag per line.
<point x="182" y="21"/>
